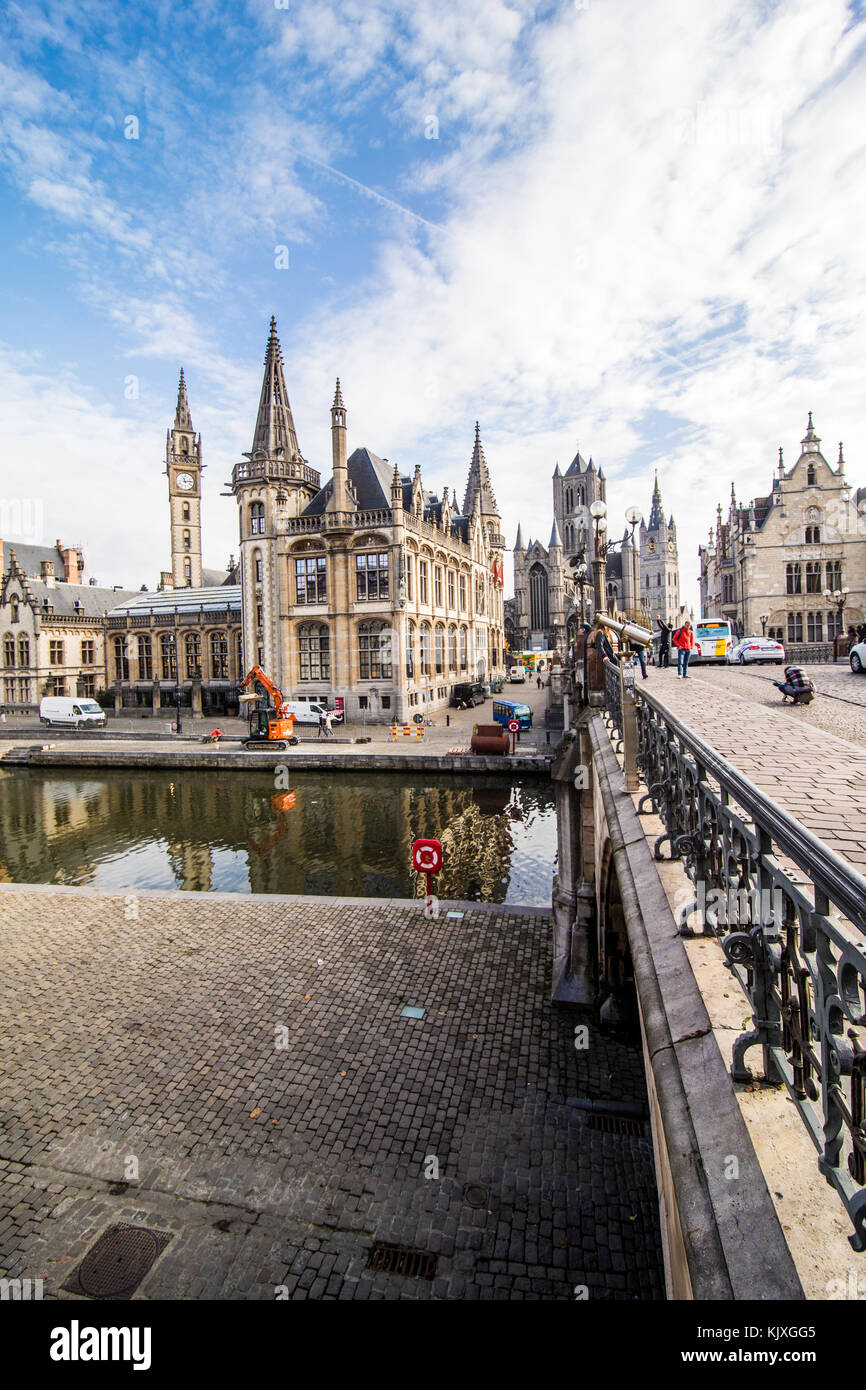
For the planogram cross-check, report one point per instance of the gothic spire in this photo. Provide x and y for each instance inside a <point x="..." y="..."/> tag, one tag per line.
<point x="479" y="485"/>
<point x="338" y="396"/>
<point x="182" y="418"/>
<point x="657" y="515"/>
<point x="275" y="428"/>
<point x="518" y="544"/>
<point x="810" y="441"/>
<point x="555" y="538"/>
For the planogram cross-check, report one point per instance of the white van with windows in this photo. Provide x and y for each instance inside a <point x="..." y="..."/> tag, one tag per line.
<point x="308" y="712"/>
<point x="72" y="713"/>
<point x="517" y="675"/>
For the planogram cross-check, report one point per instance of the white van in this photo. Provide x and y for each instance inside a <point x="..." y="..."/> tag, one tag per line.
<point x="76" y="714"/>
<point x="308" y="713"/>
<point x="517" y="675"/>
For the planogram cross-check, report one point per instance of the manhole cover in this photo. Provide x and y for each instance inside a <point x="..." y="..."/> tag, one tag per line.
<point x="115" y="1266"/>
<point x="475" y="1196"/>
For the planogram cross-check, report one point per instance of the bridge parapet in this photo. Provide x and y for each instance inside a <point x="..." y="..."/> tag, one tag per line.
<point x="790" y="915"/>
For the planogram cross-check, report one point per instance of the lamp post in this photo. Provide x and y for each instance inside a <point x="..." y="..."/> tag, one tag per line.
<point x="172" y="638"/>
<point x="598" y="512"/>
<point x="763" y="619"/>
<point x="840" y="598"/>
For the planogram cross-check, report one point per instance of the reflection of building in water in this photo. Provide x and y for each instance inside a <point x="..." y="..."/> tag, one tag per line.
<point x="192" y="865"/>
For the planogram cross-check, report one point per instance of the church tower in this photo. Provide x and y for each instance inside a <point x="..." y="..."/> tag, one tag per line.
<point x="659" y="563"/>
<point x="183" y="467"/>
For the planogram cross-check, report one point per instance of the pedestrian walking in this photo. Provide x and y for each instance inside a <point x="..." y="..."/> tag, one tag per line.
<point x="322" y="723"/>
<point x="328" y="716"/>
<point x="538" y="682"/>
<point x="684" y="641"/>
<point x="640" y="658"/>
<point x="664" y="642"/>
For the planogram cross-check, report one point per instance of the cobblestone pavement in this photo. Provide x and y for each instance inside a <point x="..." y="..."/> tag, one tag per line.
<point x="839" y="707"/>
<point x="146" y="1031"/>
<point x="809" y="770"/>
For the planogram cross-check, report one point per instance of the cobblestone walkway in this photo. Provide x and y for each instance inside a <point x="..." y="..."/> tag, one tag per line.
<point x="249" y="1058"/>
<point x="818" y="777"/>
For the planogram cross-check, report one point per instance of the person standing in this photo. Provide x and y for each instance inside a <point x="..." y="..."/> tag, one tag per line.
<point x="664" y="642"/>
<point x="684" y="641"/>
<point x="322" y="724"/>
<point x="640" y="654"/>
<point x="328" y="716"/>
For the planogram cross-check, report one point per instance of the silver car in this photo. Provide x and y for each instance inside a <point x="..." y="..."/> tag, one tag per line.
<point x="857" y="657"/>
<point x="757" y="649"/>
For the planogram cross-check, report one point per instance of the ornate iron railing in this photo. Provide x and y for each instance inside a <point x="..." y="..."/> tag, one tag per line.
<point x="613" y="701"/>
<point x="791" y="918"/>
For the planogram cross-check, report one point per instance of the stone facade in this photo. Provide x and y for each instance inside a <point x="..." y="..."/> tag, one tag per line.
<point x="370" y="589"/>
<point x="777" y="556"/>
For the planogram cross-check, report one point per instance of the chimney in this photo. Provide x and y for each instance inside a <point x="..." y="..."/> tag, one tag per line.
<point x="47" y="573"/>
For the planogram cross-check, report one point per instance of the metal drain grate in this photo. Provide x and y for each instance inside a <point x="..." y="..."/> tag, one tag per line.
<point x="400" y="1259"/>
<point x="115" y="1266"/>
<point x="615" y="1124"/>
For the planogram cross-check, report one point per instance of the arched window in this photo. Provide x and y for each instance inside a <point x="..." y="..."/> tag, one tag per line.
<point x="145" y="658"/>
<point x="314" y="644"/>
<point x="168" y="656"/>
<point x="538" y="605"/>
<point x="257" y="518"/>
<point x="813" y="579"/>
<point x="23" y="651"/>
<point x="219" y="656"/>
<point x="374" y="651"/>
<point x="9" y="650"/>
<point x="184" y="445"/>
<point x="186" y="541"/>
<point x="426" y="667"/>
<point x="462" y="649"/>
<point x="410" y="650"/>
<point x="439" y="644"/>
<point x="813" y="535"/>
<point x="452" y="649"/>
<point x="834" y="574"/>
<point x="185" y="513"/>
<point x="187" y="570"/>
<point x="121" y="660"/>
<point x="793" y="579"/>
<point x="13" y="605"/>
<point x="193" y="655"/>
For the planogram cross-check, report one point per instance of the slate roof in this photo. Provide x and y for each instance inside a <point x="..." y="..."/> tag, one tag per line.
<point x="30" y="558"/>
<point x="62" y="598"/>
<point x="370" y="479"/>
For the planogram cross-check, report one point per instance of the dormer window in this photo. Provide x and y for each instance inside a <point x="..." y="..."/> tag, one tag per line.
<point x="13" y="604"/>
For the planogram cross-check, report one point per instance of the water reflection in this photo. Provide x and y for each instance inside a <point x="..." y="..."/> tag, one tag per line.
<point x="348" y="835"/>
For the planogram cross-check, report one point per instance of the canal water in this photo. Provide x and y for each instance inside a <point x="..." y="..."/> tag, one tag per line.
<point x="347" y="835"/>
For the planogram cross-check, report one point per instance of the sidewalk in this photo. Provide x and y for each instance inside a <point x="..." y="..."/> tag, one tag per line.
<point x="812" y="774"/>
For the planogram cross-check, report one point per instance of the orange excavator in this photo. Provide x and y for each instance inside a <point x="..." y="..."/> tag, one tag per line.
<point x="271" y="726"/>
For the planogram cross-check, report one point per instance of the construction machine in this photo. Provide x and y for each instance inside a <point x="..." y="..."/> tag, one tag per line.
<point x="274" y="727"/>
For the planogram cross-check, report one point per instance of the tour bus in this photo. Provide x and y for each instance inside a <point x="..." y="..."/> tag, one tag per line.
<point x="504" y="710"/>
<point x="75" y="714"/>
<point x="714" y="639"/>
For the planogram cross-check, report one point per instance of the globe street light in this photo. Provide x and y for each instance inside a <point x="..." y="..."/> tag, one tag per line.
<point x="171" y="638"/>
<point x="763" y="619"/>
<point x="840" y="598"/>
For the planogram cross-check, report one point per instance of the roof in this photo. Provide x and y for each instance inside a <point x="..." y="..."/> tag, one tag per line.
<point x="210" y="600"/>
<point x="370" y="479"/>
<point x="275" y="428"/>
<point x="578" y="465"/>
<point x="63" y="597"/>
<point x="30" y="558"/>
<point x="478" y="484"/>
<point x="213" y="579"/>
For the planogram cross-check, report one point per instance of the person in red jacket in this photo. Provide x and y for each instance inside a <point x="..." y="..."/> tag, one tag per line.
<point x="684" y="641"/>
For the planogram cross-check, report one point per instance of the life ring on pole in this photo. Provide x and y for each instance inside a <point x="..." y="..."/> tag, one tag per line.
<point x="417" y="719"/>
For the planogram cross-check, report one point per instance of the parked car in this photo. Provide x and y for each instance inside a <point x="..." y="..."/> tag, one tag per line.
<point x="857" y="657"/>
<point x="470" y="693"/>
<point x="74" y="714"/>
<point x="307" y="712"/>
<point x="750" y="649"/>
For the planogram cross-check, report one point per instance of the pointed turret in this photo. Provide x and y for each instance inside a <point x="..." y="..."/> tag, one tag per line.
<point x="339" y="500"/>
<point x="557" y="472"/>
<point x="275" y="428"/>
<point x="657" y="516"/>
<point x="841" y="462"/>
<point x="518" y="544"/>
<point x="781" y="461"/>
<point x="555" y="538"/>
<point x="479" y="486"/>
<point x="182" y="418"/>
<point x="810" y="442"/>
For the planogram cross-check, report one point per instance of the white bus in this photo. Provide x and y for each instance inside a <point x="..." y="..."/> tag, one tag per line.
<point x="714" y="639"/>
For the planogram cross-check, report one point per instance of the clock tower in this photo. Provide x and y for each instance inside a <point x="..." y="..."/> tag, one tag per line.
<point x="659" y="564"/>
<point x="183" y="467"/>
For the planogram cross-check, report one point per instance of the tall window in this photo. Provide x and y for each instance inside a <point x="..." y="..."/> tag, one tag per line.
<point x="834" y="625"/>
<point x="440" y="648"/>
<point x="374" y="649"/>
<point x="815" y="627"/>
<point x="452" y="649"/>
<point x="121" y="660"/>
<point x="315" y="650"/>
<point x="193" y="655"/>
<point x="479" y="594"/>
<point x="813" y="580"/>
<point x="539" y="611"/>
<point x="257" y="518"/>
<point x="55" y="653"/>
<point x="834" y="574"/>
<point x="463" y="593"/>
<point x="450" y="588"/>
<point x="168" y="656"/>
<point x="187" y="571"/>
<point x="13" y="604"/>
<point x="258" y="569"/>
<point x="9" y="650"/>
<point x="372" y="576"/>
<point x="311" y="579"/>
<point x="426" y="668"/>
<point x="186" y="541"/>
<point x="813" y="535"/>
<point x="219" y="656"/>
<point x="145" y="659"/>
<point x="793" y="579"/>
<point x="23" y="651"/>
<point x="410" y="650"/>
<point x="185" y="514"/>
<point x="422" y="581"/>
<point x="795" y="627"/>
<point x="462" y="649"/>
<point x="437" y="585"/>
<point x="810" y="475"/>
<point x="88" y="653"/>
<point x="410" y="576"/>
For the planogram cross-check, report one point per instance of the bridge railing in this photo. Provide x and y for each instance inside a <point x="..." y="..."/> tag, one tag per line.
<point x="613" y="700"/>
<point x="790" y="915"/>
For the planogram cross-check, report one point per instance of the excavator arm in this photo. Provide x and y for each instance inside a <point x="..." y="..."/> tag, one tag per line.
<point x="258" y="676"/>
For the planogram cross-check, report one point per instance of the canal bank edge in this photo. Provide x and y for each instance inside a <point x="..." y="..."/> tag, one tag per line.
<point x="39" y="756"/>
<point x="722" y="1239"/>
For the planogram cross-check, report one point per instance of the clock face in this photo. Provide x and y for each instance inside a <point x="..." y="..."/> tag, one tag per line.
<point x="670" y="545"/>
<point x="185" y="481"/>
<point x="651" y="547"/>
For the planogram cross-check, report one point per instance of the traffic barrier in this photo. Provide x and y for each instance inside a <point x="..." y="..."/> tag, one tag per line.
<point x="418" y="732"/>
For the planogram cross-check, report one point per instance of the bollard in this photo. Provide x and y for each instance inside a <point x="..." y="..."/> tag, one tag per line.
<point x="448" y="721"/>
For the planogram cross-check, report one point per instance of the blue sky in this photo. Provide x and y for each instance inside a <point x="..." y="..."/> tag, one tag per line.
<point x="629" y="225"/>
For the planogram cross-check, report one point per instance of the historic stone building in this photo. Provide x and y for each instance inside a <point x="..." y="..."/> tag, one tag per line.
<point x="775" y="557"/>
<point x="52" y="625"/>
<point x="641" y="580"/>
<point x="370" y="590"/>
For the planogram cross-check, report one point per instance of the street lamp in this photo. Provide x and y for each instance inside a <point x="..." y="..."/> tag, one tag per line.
<point x="840" y="598"/>
<point x="598" y="512"/>
<point x="763" y="619"/>
<point x="172" y="639"/>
